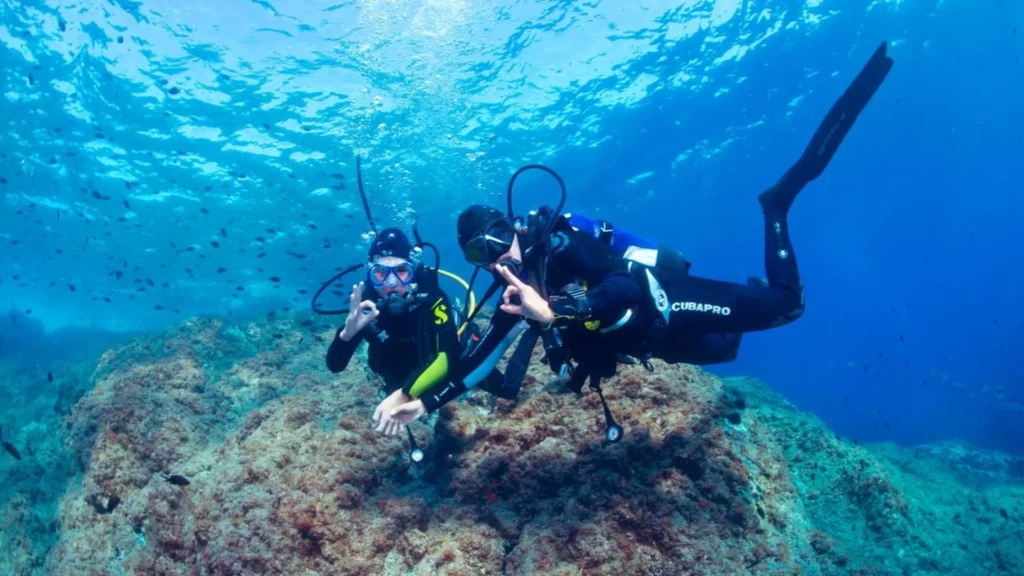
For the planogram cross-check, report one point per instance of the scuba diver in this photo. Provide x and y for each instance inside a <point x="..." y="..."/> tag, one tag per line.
<point x="404" y="317"/>
<point x="594" y="293"/>
<point x="411" y="328"/>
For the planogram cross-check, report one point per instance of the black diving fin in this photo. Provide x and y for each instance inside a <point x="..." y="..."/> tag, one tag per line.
<point x="833" y="129"/>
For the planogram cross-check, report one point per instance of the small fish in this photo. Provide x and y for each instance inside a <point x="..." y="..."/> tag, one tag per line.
<point x="174" y="90"/>
<point x="112" y="503"/>
<point x="158" y="307"/>
<point x="215" y="244"/>
<point x="239" y="288"/>
<point x="28" y="448"/>
<point x="278" y="335"/>
<point x="127" y="205"/>
<point x="221" y="270"/>
<point x="72" y="287"/>
<point x="901" y="337"/>
<point x="1004" y="513"/>
<point x="177" y="480"/>
<point x="866" y="369"/>
<point x="204" y="210"/>
<point x="275" y="279"/>
<point x="9" y="447"/>
<point x="223" y="233"/>
<point x="107" y="300"/>
<point x="49" y="376"/>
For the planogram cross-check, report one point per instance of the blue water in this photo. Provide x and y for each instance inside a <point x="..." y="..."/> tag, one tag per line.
<point x="120" y="122"/>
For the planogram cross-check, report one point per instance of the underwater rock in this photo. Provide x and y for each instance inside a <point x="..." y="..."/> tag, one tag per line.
<point x="286" y="476"/>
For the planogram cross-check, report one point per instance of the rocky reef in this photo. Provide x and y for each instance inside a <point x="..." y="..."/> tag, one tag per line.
<point x="285" y="476"/>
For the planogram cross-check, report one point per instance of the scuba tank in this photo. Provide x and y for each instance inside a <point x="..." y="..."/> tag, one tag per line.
<point x="620" y="240"/>
<point x="630" y="246"/>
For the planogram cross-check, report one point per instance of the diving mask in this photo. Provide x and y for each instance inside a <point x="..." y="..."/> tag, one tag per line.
<point x="495" y="240"/>
<point x="391" y="276"/>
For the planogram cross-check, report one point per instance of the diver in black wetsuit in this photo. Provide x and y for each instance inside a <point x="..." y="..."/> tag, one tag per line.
<point x="564" y="284"/>
<point x="412" y="331"/>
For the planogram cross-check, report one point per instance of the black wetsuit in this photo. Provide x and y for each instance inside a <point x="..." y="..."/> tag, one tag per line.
<point x="575" y="257"/>
<point x="613" y="291"/>
<point x="657" y="309"/>
<point x="414" y="351"/>
<point x="621" y="313"/>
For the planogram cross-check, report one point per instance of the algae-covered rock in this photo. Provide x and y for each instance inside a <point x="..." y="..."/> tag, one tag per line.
<point x="286" y="476"/>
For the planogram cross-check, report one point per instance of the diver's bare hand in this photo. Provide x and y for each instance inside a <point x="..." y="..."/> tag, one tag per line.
<point x="532" y="305"/>
<point x="407" y="414"/>
<point x="383" y="421"/>
<point x="361" y="312"/>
